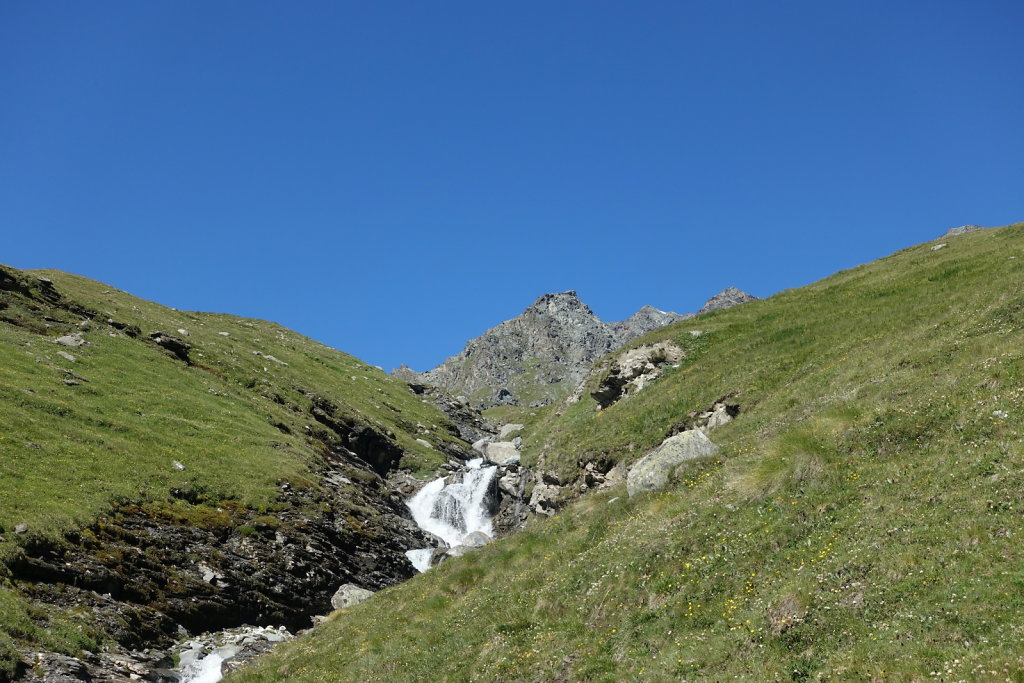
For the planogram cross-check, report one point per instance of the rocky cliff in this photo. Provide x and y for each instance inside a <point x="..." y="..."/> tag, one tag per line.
<point x="543" y="353"/>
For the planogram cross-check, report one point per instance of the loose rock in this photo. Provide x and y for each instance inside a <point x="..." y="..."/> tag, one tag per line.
<point x="348" y="595"/>
<point x="652" y="472"/>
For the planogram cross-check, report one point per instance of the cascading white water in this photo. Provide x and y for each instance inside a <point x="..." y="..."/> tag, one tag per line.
<point x="452" y="512"/>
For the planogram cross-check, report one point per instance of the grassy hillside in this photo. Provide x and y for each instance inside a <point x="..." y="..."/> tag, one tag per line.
<point x="108" y="423"/>
<point x="862" y="520"/>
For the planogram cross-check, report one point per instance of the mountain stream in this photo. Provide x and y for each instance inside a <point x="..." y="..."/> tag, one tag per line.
<point x="453" y="509"/>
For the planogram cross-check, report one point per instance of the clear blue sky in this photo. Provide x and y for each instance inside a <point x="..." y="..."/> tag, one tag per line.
<point x="391" y="178"/>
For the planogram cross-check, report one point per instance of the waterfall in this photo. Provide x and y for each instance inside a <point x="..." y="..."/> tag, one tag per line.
<point x="452" y="511"/>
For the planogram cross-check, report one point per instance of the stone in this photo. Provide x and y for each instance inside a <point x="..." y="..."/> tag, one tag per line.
<point x="177" y="465"/>
<point x="66" y="356"/>
<point x="509" y="483"/>
<point x="508" y="429"/>
<point x="176" y="345"/>
<point x="502" y="453"/>
<point x="545" y="499"/>
<point x="477" y="539"/>
<point x="652" y="472"/>
<point x="348" y="595"/>
<point x="20" y="528"/>
<point x="183" y="332"/>
<point x="938" y="246"/>
<point x="424" y="442"/>
<point x="631" y="371"/>
<point x="72" y="340"/>
<point x="719" y="416"/>
<point x="480" y="446"/>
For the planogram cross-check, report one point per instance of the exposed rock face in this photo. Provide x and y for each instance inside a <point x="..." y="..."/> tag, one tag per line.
<point x="727" y="298"/>
<point x="647" y="319"/>
<point x="230" y="566"/>
<point x="634" y="369"/>
<point x="653" y="471"/>
<point x="471" y="425"/>
<point x="539" y="355"/>
<point x="953" y="232"/>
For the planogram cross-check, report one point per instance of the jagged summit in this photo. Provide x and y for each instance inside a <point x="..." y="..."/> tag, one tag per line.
<point x="728" y="297"/>
<point x="545" y="351"/>
<point x="647" y="319"/>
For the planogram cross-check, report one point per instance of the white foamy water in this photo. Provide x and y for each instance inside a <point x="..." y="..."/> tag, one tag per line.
<point x="205" y="670"/>
<point x="420" y="558"/>
<point x="452" y="512"/>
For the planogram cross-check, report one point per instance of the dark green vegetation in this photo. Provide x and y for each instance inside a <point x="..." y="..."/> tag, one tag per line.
<point x="245" y="408"/>
<point x="862" y="520"/>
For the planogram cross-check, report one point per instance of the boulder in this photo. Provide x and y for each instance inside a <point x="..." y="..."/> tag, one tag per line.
<point x="348" y="595"/>
<point x="545" y="499"/>
<point x="652" y="472"/>
<point x="72" y="340"/>
<point x="502" y="453"/>
<point x="509" y="483"/>
<point x="480" y="446"/>
<point x="477" y="539"/>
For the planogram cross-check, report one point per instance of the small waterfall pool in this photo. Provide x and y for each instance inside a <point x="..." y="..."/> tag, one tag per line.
<point x="452" y="511"/>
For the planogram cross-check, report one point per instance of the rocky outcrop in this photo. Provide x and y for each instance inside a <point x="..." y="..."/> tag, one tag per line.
<point x="647" y="319"/>
<point x="146" y="570"/>
<point x="632" y="370"/>
<point x="727" y="298"/>
<point x="653" y="471"/>
<point x="471" y="424"/>
<point x="963" y="229"/>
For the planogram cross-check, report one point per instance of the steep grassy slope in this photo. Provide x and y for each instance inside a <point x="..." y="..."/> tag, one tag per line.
<point x="250" y="406"/>
<point x="862" y="520"/>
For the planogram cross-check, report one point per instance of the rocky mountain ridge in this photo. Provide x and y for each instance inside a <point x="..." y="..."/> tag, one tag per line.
<point x="542" y="354"/>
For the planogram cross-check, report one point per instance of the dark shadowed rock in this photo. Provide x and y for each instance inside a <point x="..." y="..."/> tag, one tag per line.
<point x="176" y="345"/>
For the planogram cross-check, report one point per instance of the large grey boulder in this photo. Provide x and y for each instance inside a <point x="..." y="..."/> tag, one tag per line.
<point x="348" y="595"/>
<point x="72" y="340"/>
<point x="653" y="471"/>
<point x="502" y="453"/>
<point x="477" y="539"/>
